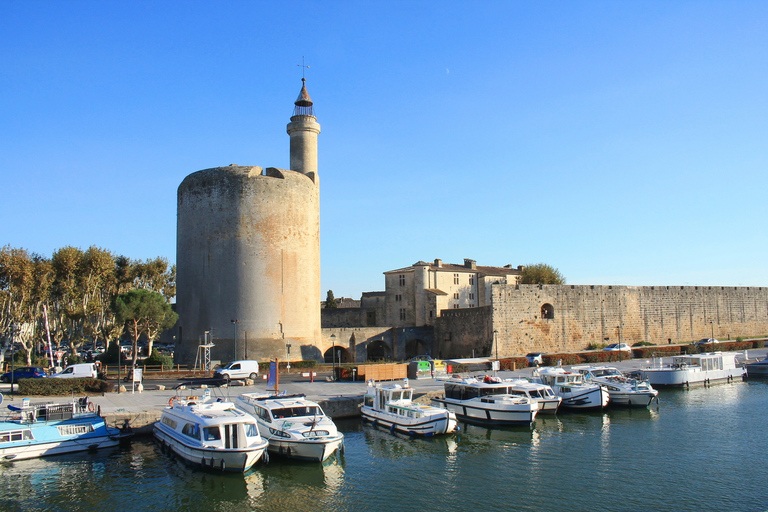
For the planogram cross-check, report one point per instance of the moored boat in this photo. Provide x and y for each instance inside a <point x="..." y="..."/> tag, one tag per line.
<point x="570" y="386"/>
<point x="392" y="406"/>
<point x="487" y="401"/>
<point x="622" y="390"/>
<point x="548" y="401"/>
<point x="212" y="434"/>
<point x="758" y="369"/>
<point x="294" y="426"/>
<point x="695" y="369"/>
<point x="42" y="429"/>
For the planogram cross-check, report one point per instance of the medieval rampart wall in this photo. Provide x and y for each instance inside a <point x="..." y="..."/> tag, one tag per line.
<point x="568" y="317"/>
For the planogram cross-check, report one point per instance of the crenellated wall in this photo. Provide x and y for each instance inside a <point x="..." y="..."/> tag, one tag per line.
<point x="568" y="317"/>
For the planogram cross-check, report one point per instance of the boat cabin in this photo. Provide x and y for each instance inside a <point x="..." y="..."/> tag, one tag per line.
<point x="383" y="396"/>
<point x="704" y="362"/>
<point x="215" y="425"/>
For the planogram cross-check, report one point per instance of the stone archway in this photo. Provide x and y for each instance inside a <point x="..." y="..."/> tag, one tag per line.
<point x="337" y="354"/>
<point x="547" y="311"/>
<point x="414" y="348"/>
<point x="378" y="350"/>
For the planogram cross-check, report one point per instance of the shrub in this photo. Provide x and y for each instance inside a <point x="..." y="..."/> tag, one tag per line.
<point x="565" y="359"/>
<point x="596" y="346"/>
<point x="643" y="344"/>
<point x="158" y="359"/>
<point x="658" y="350"/>
<point x="111" y="355"/>
<point x="513" y="363"/>
<point x="62" y="387"/>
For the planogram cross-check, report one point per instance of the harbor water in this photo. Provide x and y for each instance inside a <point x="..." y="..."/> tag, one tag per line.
<point x="698" y="449"/>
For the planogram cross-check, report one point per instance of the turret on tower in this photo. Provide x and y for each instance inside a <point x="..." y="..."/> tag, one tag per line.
<point x="303" y="130"/>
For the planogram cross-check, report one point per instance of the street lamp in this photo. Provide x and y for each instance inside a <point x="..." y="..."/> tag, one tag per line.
<point x="496" y="346"/>
<point x="288" y="353"/>
<point x="234" y="339"/>
<point x="333" y="355"/>
<point x="712" y="327"/>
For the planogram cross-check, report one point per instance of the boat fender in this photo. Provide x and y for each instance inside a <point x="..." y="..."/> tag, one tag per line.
<point x="341" y="448"/>
<point x="202" y="462"/>
<point x="265" y="457"/>
<point x="288" y="451"/>
<point x="392" y="428"/>
<point x="223" y="465"/>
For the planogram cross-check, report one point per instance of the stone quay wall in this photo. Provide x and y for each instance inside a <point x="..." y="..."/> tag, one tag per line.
<point x="570" y="317"/>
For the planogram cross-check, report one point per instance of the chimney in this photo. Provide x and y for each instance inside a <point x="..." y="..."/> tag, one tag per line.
<point x="438" y="263"/>
<point x="470" y="263"/>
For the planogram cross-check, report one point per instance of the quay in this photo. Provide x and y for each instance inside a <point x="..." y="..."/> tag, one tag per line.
<point x="338" y="399"/>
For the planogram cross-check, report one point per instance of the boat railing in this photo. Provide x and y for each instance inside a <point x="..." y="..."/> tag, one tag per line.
<point x="47" y="411"/>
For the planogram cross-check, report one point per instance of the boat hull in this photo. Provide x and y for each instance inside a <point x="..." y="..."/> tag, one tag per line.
<point x="432" y="425"/>
<point x="49" y="441"/>
<point x="594" y="398"/>
<point x="757" y="369"/>
<point x="315" y="451"/>
<point x="224" y="459"/>
<point x="479" y="412"/>
<point x="632" y="399"/>
<point x="676" y="377"/>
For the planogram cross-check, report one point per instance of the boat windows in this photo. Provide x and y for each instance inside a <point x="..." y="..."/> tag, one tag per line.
<point x="191" y="430"/>
<point x="368" y="401"/>
<point x="212" y="434"/>
<point x="74" y="430"/>
<point x="168" y="421"/>
<point x="262" y="413"/>
<point x="16" y="435"/>
<point x="296" y="412"/>
<point x="251" y="430"/>
<point x="396" y="395"/>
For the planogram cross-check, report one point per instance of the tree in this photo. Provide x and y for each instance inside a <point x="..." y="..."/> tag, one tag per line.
<point x="541" y="273"/>
<point x="144" y="312"/>
<point x="330" y="301"/>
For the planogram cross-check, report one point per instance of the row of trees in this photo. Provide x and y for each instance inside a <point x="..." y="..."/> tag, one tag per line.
<point x="88" y="295"/>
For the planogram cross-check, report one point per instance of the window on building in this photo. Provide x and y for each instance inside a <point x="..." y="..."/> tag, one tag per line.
<point x="398" y="298"/>
<point x="455" y="278"/>
<point x="456" y="295"/>
<point x="455" y="306"/>
<point x="471" y="305"/>
<point x="402" y="280"/>
<point x="471" y="280"/>
<point x="471" y="296"/>
<point x="402" y="313"/>
<point x="547" y="311"/>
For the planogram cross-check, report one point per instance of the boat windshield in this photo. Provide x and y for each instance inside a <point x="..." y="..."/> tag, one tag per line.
<point x="606" y="372"/>
<point x="297" y="411"/>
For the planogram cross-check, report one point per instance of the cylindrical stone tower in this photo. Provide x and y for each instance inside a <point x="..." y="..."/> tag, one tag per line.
<point x="248" y="256"/>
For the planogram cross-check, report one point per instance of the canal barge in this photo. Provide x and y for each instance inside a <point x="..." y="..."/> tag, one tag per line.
<point x="391" y="406"/>
<point x="571" y="387"/>
<point x="487" y="401"/>
<point x="622" y="390"/>
<point x="295" y="427"/>
<point x="213" y="434"/>
<point x="42" y="429"/>
<point x="695" y="369"/>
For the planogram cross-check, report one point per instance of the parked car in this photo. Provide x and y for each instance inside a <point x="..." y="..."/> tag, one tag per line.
<point x="75" y="371"/>
<point x="706" y="341"/>
<point x="238" y="370"/>
<point x="24" y="372"/>
<point x="535" y="358"/>
<point x="616" y="347"/>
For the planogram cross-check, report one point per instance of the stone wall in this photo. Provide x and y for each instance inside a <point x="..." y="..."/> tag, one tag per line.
<point x="466" y="332"/>
<point x="564" y="318"/>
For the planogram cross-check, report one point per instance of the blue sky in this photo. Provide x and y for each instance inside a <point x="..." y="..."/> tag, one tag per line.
<point x="621" y="142"/>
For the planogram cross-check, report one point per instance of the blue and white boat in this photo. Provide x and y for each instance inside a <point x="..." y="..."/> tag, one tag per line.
<point x="35" y="430"/>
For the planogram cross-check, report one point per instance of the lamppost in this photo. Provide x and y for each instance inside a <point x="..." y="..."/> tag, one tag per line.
<point x="333" y="355"/>
<point x="234" y="339"/>
<point x="712" y="327"/>
<point x="496" y="346"/>
<point x="288" y="353"/>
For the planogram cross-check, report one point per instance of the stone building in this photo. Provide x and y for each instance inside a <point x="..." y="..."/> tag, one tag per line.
<point x="248" y="255"/>
<point x="416" y="295"/>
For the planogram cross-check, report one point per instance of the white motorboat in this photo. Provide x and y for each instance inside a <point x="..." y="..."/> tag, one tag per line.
<point x="487" y="401"/>
<point x="622" y="390"/>
<point x="548" y="401"/>
<point x="576" y="393"/>
<point x="758" y="369"/>
<point x="694" y="369"/>
<point x="392" y="406"/>
<point x="211" y="433"/>
<point x="41" y="429"/>
<point x="294" y="426"/>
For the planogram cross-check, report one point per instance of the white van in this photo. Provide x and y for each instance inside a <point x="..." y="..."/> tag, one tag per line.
<point x="74" y="371"/>
<point x="238" y="370"/>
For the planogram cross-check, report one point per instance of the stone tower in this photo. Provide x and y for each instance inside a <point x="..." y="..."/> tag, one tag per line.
<point x="248" y="255"/>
